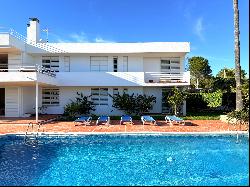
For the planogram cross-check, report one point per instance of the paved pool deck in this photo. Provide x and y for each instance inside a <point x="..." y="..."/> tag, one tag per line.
<point x="16" y="126"/>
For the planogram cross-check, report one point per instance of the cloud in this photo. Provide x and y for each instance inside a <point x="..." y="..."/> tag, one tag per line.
<point x="101" y="40"/>
<point x="199" y="28"/>
<point x="81" y="37"/>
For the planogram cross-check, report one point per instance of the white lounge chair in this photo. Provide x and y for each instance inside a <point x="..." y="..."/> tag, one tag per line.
<point x="103" y="119"/>
<point x="84" y="120"/>
<point x="174" y="119"/>
<point x="148" y="119"/>
<point x="126" y="118"/>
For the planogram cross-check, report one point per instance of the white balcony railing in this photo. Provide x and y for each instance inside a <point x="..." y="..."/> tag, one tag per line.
<point x="163" y="77"/>
<point x="26" y="68"/>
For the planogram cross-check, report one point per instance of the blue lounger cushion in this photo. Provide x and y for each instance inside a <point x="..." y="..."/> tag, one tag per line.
<point x="103" y="118"/>
<point x="126" y="118"/>
<point x="148" y="118"/>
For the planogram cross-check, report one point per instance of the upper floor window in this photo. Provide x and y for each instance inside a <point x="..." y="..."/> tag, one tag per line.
<point x="98" y="63"/>
<point x="51" y="63"/>
<point x="125" y="63"/>
<point x="170" y="64"/>
<point x="115" y="63"/>
<point x="50" y="96"/>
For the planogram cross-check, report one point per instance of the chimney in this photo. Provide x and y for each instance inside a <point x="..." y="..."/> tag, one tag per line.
<point x="33" y="30"/>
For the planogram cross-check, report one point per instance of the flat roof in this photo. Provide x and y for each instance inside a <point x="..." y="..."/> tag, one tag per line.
<point x="140" y="47"/>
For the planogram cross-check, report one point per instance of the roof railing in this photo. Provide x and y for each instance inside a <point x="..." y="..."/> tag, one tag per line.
<point x="44" y="46"/>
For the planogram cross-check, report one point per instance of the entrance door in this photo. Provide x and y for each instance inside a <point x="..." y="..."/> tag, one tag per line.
<point x="3" y="62"/>
<point x="2" y="101"/>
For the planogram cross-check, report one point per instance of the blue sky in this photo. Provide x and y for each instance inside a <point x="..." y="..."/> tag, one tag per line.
<point x="206" y="24"/>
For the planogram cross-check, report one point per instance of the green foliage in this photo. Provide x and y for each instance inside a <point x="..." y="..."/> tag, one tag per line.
<point x="213" y="99"/>
<point x="133" y="104"/>
<point x="81" y="106"/>
<point x="195" y="102"/>
<point x="176" y="99"/>
<point x="200" y="69"/>
<point x="224" y="84"/>
<point x="241" y="116"/>
<point x="230" y="73"/>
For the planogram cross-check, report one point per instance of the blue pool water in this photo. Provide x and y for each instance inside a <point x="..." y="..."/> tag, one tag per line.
<point x="125" y="160"/>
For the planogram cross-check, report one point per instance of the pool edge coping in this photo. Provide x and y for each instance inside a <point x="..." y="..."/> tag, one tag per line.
<point x="134" y="133"/>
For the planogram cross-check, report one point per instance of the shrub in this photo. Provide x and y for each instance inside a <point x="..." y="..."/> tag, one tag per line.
<point x="241" y="116"/>
<point x="81" y="106"/>
<point x="213" y="99"/>
<point x="133" y="104"/>
<point x="176" y="99"/>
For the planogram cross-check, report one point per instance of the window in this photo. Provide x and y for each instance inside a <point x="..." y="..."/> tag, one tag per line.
<point x="165" y="65"/>
<point x="50" y="96"/>
<point x="125" y="63"/>
<point x="115" y="91"/>
<point x="99" y="96"/>
<point x="66" y="63"/>
<point x="99" y="63"/>
<point x="170" y="64"/>
<point x="51" y="63"/>
<point x="115" y="61"/>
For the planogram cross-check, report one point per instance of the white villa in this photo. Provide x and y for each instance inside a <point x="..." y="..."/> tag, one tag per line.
<point x="35" y="73"/>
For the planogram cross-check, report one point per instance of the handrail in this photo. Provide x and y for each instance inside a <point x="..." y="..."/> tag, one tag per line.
<point x="45" y="46"/>
<point x="26" y="68"/>
<point x="162" y="77"/>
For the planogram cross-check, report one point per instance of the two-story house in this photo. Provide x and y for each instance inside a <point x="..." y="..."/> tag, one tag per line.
<point x="34" y="73"/>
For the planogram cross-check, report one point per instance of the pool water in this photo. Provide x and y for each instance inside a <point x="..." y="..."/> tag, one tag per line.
<point x="125" y="160"/>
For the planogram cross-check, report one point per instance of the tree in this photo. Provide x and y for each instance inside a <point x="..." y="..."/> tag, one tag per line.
<point x="200" y="71"/>
<point x="176" y="99"/>
<point x="239" y="101"/>
<point x="228" y="73"/>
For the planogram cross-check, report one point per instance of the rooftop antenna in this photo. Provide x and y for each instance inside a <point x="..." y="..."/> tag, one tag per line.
<point x="47" y="33"/>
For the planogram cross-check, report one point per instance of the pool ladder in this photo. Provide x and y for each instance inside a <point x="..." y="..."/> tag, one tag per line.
<point x="31" y="137"/>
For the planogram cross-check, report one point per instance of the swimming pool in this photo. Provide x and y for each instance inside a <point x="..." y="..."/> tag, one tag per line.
<point x="125" y="160"/>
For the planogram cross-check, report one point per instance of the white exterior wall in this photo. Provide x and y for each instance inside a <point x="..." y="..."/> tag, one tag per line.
<point x="68" y="93"/>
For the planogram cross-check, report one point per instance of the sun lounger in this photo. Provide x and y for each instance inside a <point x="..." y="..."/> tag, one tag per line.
<point x="84" y="120"/>
<point x="103" y="119"/>
<point x="174" y="119"/>
<point x="148" y="119"/>
<point x="126" y="118"/>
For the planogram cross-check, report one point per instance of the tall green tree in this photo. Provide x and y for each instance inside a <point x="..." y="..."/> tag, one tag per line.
<point x="200" y="71"/>
<point x="239" y="101"/>
<point x="230" y="73"/>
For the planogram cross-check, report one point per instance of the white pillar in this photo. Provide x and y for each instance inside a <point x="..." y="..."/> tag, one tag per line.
<point x="36" y="101"/>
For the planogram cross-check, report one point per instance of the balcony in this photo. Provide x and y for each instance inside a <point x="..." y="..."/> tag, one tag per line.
<point x="122" y="79"/>
<point x="168" y="79"/>
<point x="25" y="75"/>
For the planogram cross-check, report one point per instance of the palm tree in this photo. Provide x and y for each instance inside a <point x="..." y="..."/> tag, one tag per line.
<point x="239" y="101"/>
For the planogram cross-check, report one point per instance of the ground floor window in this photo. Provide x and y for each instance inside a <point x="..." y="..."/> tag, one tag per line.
<point x="50" y="96"/>
<point x="99" y="96"/>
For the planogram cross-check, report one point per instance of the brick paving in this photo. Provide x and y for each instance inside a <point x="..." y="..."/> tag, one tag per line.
<point x="20" y="126"/>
